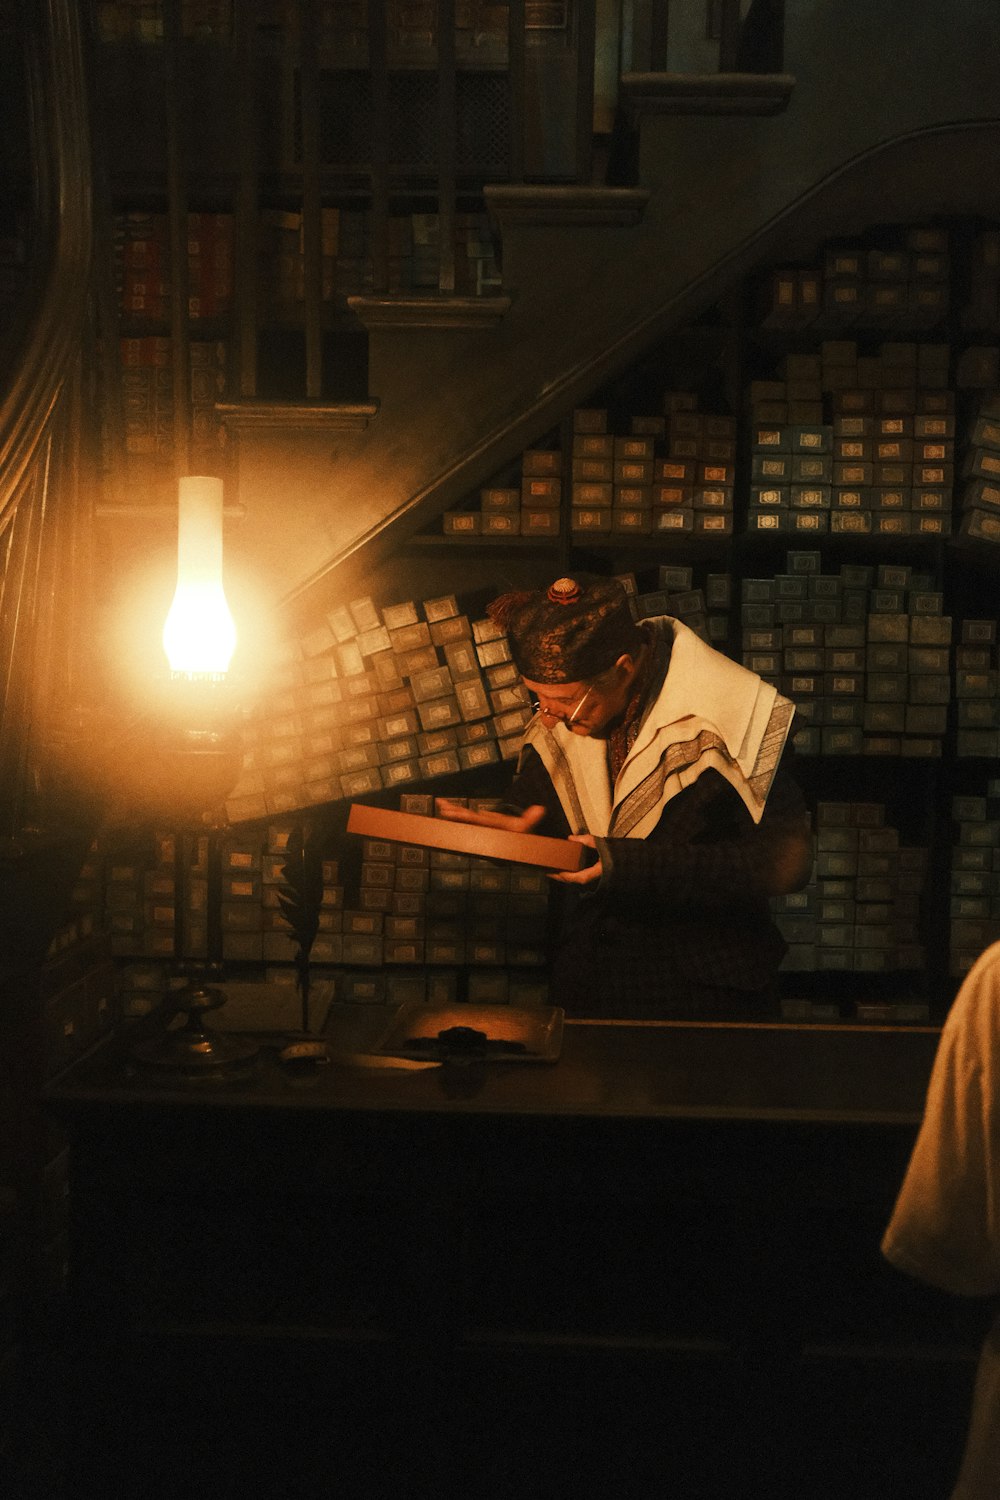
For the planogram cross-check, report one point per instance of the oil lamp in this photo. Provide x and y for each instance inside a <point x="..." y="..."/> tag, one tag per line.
<point x="199" y="749"/>
<point x="198" y="744"/>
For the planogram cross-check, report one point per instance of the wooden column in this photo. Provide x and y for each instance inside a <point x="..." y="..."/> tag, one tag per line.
<point x="177" y="215"/>
<point x="447" y="144"/>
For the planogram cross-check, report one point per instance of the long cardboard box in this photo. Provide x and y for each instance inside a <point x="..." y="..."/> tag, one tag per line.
<point x="467" y="838"/>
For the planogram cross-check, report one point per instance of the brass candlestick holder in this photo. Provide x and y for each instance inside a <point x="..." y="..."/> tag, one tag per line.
<point x="195" y="1047"/>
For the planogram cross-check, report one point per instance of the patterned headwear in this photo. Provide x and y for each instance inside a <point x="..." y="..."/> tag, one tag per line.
<point x="570" y="632"/>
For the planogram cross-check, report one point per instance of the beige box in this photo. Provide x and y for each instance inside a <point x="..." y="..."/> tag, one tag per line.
<point x="541" y="461"/>
<point x="541" y="492"/>
<point x="440" y="608"/>
<point x="501" y="523"/>
<point x="595" y="520"/>
<point x="489" y="843"/>
<point x="539" y="522"/>
<point x="499" y="500"/>
<point x="461" y="523"/>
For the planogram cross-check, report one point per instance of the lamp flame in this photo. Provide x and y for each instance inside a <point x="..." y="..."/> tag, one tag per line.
<point x="199" y="633"/>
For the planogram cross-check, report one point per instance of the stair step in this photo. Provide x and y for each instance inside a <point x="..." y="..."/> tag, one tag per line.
<point x="439" y="310"/>
<point x="522" y="203"/>
<point x="345" y="415"/>
<point x="706" y="93"/>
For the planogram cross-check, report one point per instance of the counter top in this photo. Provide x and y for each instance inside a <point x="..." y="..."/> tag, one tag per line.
<point x="639" y="1070"/>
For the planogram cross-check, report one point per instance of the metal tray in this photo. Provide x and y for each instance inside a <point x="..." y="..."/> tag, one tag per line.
<point x="474" y="1033"/>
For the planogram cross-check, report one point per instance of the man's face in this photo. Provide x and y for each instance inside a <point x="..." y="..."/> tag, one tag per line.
<point x="584" y="707"/>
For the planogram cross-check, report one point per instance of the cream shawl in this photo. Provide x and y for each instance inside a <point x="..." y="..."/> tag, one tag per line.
<point x="710" y="712"/>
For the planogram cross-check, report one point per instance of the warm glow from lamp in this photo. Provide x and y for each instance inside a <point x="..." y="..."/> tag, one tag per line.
<point x="199" y="634"/>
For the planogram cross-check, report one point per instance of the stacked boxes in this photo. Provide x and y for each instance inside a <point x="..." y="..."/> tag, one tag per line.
<point x="980" y="497"/>
<point x="139" y="897"/>
<point x="618" y="484"/>
<point x="419" y="907"/>
<point x="530" y="508"/>
<point x="373" y="700"/>
<point x="885" y="466"/>
<point x="704" y="608"/>
<point x="595" y="492"/>
<point x="540" y="497"/>
<point x="898" y="285"/>
<point x="860" y="911"/>
<point x="975" y="877"/>
<point x="867" y="667"/>
<point x="791" y="478"/>
<point x="240" y="909"/>
<point x="693" y="485"/>
<point x="977" y="696"/>
<point x="408" y="910"/>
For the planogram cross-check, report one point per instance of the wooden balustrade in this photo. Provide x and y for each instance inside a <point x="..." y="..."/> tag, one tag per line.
<point x="42" y="509"/>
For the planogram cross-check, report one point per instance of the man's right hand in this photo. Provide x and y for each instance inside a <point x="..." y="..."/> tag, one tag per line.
<point x="509" y="822"/>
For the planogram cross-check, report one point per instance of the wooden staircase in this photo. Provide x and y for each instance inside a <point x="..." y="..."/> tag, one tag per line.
<point x="729" y="171"/>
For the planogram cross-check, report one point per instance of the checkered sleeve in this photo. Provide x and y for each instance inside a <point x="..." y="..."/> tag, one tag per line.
<point x="706" y="853"/>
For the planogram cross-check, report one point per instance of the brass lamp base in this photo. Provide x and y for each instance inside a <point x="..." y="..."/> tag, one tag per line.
<point x="193" y="1047"/>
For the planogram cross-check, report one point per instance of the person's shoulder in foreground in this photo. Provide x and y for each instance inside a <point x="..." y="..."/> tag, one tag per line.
<point x="945" y="1227"/>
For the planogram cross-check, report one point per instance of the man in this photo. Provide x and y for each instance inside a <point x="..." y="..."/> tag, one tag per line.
<point x="945" y="1226"/>
<point x="661" y="755"/>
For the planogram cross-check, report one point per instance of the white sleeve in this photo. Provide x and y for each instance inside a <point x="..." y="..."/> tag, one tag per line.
<point x="945" y="1227"/>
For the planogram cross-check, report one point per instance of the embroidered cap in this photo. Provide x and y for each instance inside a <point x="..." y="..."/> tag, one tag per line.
<point x="570" y="632"/>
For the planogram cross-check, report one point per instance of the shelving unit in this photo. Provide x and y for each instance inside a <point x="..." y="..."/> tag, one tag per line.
<point x="927" y="293"/>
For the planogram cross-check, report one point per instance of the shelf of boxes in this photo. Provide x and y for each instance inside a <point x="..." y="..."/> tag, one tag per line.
<point x="449" y="925"/>
<point x="980" y="494"/>
<point x="860" y="912"/>
<point x="906" y="284"/>
<point x="974" y="905"/>
<point x="666" y="477"/>
<point x="423" y="908"/>
<point x="977" y="694"/>
<point x="884" y="466"/>
<point x="863" y="653"/>
<point x="380" y="699"/>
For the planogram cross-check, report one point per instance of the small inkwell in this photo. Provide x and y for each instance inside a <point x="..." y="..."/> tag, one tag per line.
<point x="464" y="1034"/>
<point x="462" y="1045"/>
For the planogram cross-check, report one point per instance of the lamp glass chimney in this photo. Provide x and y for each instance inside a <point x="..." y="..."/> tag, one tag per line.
<point x="199" y="634"/>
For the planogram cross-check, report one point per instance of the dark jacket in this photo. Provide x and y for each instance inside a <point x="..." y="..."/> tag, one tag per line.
<point x="679" y="924"/>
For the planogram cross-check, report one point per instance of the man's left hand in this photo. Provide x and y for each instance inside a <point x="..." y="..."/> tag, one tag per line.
<point x="590" y="873"/>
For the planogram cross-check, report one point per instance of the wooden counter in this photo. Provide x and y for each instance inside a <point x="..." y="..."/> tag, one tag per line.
<point x="641" y="1070"/>
<point x="460" y="1260"/>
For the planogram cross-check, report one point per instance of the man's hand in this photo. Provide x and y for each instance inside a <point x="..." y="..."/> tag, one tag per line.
<point x="590" y="873"/>
<point x="509" y="822"/>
